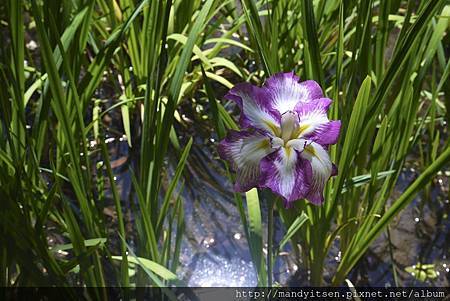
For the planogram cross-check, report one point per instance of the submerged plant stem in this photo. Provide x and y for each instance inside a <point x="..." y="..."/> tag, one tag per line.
<point x="270" y="243"/>
<point x="391" y="255"/>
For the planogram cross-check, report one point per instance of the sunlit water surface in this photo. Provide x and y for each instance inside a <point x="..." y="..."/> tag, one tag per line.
<point x="214" y="249"/>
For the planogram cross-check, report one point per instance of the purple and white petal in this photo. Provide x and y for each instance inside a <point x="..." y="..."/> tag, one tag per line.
<point x="255" y="109"/>
<point x="318" y="170"/>
<point x="313" y="88"/>
<point x="319" y="104"/>
<point x="327" y="134"/>
<point x="313" y="116"/>
<point x="245" y="150"/>
<point x="284" y="91"/>
<point x="283" y="173"/>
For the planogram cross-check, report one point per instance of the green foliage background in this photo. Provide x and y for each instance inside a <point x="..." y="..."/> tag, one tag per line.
<point x="384" y="63"/>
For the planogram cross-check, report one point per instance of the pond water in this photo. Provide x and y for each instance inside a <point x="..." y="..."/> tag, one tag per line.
<point x="214" y="249"/>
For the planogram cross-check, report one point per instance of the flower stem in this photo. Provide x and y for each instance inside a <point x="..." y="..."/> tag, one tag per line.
<point x="270" y="243"/>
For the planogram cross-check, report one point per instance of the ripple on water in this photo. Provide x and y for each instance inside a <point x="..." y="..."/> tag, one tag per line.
<point x="217" y="271"/>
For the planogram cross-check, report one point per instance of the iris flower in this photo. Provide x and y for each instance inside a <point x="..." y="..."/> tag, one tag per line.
<point x="284" y="138"/>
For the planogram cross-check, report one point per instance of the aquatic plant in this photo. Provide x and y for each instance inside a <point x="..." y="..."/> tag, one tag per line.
<point x="88" y="61"/>
<point x="284" y="141"/>
<point x="95" y="93"/>
<point x="379" y="99"/>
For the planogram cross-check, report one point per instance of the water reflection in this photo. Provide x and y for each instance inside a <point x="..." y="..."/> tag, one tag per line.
<point x="210" y="270"/>
<point x="214" y="249"/>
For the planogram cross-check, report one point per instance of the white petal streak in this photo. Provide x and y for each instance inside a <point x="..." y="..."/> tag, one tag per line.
<point x="286" y="96"/>
<point x="251" y="149"/>
<point x="258" y="115"/>
<point x="247" y="154"/>
<point x="311" y="121"/>
<point x="285" y="168"/>
<point x="320" y="164"/>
